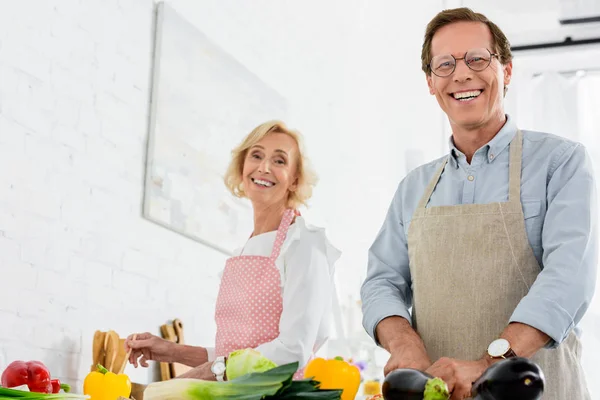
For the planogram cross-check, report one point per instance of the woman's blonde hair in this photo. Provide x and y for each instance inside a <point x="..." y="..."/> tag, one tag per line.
<point x="307" y="178"/>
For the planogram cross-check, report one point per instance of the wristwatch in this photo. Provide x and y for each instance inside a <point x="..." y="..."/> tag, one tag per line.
<point x="218" y="368"/>
<point x="500" y="348"/>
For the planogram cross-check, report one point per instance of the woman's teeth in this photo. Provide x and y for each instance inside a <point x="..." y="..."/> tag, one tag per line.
<point x="263" y="183"/>
<point x="464" y="96"/>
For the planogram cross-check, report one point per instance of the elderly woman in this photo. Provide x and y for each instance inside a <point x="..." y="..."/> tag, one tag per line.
<point x="275" y="293"/>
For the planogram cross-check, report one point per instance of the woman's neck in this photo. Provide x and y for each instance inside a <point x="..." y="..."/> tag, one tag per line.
<point x="267" y="218"/>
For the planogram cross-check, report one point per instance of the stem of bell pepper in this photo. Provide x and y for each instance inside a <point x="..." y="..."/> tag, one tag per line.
<point x="101" y="369"/>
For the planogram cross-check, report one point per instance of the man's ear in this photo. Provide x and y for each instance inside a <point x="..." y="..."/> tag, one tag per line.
<point x="507" y="73"/>
<point x="430" y="84"/>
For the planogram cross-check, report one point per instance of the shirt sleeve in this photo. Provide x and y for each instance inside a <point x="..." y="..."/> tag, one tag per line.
<point x="211" y="353"/>
<point x="386" y="290"/>
<point x="563" y="290"/>
<point x="307" y="294"/>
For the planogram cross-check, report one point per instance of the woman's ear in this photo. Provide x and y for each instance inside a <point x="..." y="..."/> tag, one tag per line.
<point x="294" y="186"/>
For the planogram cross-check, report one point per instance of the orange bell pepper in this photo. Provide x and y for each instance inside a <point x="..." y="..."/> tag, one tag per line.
<point x="335" y="374"/>
<point x="106" y="385"/>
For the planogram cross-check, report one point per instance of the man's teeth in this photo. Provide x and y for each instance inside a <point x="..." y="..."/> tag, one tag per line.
<point x="467" y="95"/>
<point x="263" y="183"/>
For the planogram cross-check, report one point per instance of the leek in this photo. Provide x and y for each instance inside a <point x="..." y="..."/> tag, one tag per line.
<point x="274" y="384"/>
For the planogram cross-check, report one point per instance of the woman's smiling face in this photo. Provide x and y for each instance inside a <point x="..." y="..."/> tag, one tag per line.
<point x="270" y="169"/>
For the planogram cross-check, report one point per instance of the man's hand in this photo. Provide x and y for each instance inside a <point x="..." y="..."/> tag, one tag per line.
<point x="407" y="356"/>
<point x="407" y="350"/>
<point x="459" y="375"/>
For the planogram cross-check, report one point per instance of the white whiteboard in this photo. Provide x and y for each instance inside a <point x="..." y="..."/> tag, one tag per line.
<point x="203" y="103"/>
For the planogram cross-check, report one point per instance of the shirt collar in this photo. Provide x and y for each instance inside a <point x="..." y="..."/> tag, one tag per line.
<point x="494" y="147"/>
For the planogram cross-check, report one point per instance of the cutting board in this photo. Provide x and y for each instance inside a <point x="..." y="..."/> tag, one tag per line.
<point x="108" y="350"/>
<point x="98" y="350"/>
<point x="111" y="347"/>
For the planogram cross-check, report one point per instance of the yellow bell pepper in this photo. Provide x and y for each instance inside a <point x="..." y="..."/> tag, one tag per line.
<point x="334" y="374"/>
<point x="371" y="387"/>
<point x="106" y="385"/>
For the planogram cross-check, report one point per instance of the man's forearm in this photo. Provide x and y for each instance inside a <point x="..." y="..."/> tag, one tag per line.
<point x="396" y="333"/>
<point x="525" y="340"/>
<point x="191" y="356"/>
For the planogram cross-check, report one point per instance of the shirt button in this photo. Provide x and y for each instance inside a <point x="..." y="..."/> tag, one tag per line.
<point x="491" y="156"/>
<point x="470" y="177"/>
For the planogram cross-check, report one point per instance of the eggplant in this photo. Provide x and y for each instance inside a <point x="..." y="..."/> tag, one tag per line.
<point x="513" y="378"/>
<point x="412" y="384"/>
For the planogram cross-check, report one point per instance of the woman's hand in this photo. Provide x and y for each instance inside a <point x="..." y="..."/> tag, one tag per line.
<point x="149" y="347"/>
<point x="200" y="372"/>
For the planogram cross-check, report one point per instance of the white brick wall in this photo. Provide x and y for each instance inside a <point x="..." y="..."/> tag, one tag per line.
<point x="75" y="254"/>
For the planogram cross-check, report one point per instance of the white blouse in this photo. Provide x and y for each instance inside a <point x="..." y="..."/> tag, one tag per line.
<point x="306" y="267"/>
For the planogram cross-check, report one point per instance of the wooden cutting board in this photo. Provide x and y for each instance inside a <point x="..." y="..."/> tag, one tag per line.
<point x="174" y="333"/>
<point x="98" y="350"/>
<point x="111" y="347"/>
<point x="109" y="351"/>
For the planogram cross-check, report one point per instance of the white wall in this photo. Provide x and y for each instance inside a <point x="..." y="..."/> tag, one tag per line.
<point x="75" y="253"/>
<point x="356" y="91"/>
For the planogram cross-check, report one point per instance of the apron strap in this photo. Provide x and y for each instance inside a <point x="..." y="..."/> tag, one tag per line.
<point x="514" y="177"/>
<point x="431" y="187"/>
<point x="286" y="221"/>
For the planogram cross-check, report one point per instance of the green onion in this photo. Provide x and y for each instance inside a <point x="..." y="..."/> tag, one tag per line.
<point x="6" y="394"/>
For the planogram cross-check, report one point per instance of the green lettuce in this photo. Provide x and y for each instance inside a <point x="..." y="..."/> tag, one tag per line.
<point x="245" y="361"/>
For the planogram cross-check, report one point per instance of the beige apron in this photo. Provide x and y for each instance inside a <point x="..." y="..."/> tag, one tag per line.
<point x="471" y="264"/>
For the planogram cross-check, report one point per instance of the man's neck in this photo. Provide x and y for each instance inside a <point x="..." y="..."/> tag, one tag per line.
<point x="469" y="140"/>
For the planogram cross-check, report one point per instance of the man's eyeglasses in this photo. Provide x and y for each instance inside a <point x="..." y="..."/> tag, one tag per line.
<point x="476" y="59"/>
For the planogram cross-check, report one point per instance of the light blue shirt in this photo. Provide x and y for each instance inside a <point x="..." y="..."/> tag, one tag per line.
<point x="559" y="204"/>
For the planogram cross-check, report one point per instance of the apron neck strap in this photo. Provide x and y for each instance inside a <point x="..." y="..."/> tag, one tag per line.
<point x="514" y="177"/>
<point x="286" y="221"/>
<point x="432" y="184"/>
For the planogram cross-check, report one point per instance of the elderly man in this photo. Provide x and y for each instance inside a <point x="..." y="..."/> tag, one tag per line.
<point x="494" y="246"/>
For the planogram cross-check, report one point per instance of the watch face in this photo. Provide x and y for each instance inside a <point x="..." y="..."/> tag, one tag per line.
<point x="498" y="347"/>
<point x="218" y="368"/>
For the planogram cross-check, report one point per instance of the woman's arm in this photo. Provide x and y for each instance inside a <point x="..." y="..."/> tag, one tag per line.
<point x="191" y="356"/>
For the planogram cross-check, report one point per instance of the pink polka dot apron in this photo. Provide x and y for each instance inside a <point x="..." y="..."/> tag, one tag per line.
<point x="250" y="302"/>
